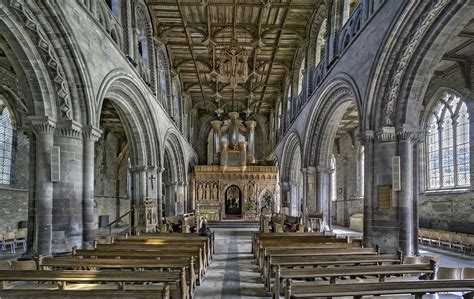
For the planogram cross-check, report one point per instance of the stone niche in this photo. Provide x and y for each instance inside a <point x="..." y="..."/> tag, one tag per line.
<point x="234" y="192"/>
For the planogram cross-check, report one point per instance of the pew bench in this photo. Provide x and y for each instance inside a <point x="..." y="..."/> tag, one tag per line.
<point x="426" y="271"/>
<point x="67" y="280"/>
<point x="357" y="290"/>
<point x="149" y="254"/>
<point x="122" y="264"/>
<point x="319" y="261"/>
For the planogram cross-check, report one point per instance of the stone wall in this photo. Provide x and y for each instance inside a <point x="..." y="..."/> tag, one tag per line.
<point x="348" y="200"/>
<point x="14" y="198"/>
<point x="110" y="179"/>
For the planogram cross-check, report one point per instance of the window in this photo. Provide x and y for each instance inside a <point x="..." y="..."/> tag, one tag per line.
<point x="114" y="6"/>
<point x="448" y="144"/>
<point x="321" y="42"/>
<point x="333" y="179"/>
<point x="360" y="171"/>
<point x="301" y="76"/>
<point x="142" y="49"/>
<point x="6" y="142"/>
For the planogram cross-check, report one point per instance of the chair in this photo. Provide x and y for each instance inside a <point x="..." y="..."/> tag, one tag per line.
<point x="445" y="239"/>
<point x="468" y="273"/>
<point x="434" y="238"/>
<point x="413" y="260"/>
<point x="426" y="259"/>
<point x="9" y="240"/>
<point x="20" y="237"/>
<point x="449" y="273"/>
<point x="5" y="265"/>
<point x="24" y="265"/>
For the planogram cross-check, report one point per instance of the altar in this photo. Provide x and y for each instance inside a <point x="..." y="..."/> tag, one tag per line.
<point x="235" y="192"/>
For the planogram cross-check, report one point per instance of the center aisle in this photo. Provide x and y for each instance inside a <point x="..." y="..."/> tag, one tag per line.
<point x="233" y="272"/>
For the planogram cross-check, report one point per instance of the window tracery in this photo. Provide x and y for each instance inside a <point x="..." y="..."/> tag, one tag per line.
<point x="6" y="142"/>
<point x="447" y="147"/>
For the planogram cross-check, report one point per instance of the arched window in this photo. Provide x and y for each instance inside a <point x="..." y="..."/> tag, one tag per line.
<point x="114" y="6"/>
<point x="162" y="80"/>
<point x="321" y="43"/>
<point x="333" y="179"/>
<point x="301" y="76"/>
<point x="360" y="171"/>
<point x="447" y="147"/>
<point x="6" y="142"/>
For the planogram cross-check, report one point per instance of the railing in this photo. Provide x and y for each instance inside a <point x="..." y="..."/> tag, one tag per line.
<point x="359" y="18"/>
<point x="128" y="213"/>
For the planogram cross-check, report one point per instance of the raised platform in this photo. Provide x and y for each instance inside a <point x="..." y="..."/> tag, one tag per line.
<point x="234" y="224"/>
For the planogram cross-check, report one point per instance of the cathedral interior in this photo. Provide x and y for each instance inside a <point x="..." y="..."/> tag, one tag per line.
<point x="270" y="129"/>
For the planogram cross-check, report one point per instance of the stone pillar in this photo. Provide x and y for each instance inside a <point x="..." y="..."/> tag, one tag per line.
<point x="323" y="200"/>
<point x="384" y="221"/>
<point x="305" y="195"/>
<point x="251" y="140"/>
<point x="216" y="126"/>
<point x="367" y="140"/>
<point x="90" y="136"/>
<point x="159" y="193"/>
<point x="44" y="128"/>
<point x="406" y="139"/>
<point x="273" y="128"/>
<point x="180" y="193"/>
<point x="30" y="244"/>
<point x="67" y="195"/>
<point x="417" y="148"/>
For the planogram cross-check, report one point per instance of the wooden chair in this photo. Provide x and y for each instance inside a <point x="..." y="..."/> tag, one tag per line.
<point x="20" y="237"/>
<point x="445" y="239"/>
<point x="8" y="240"/>
<point x="449" y="273"/>
<point x="434" y="237"/>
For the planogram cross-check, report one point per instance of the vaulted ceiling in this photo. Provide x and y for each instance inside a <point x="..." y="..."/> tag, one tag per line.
<point x="196" y="32"/>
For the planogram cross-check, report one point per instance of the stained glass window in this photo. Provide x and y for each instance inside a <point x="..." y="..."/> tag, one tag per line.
<point x="448" y="144"/>
<point x="6" y="141"/>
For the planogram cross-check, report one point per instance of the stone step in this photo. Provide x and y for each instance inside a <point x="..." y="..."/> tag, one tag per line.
<point x="234" y="224"/>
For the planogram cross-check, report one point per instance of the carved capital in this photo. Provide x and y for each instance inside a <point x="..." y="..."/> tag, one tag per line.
<point x="385" y="134"/>
<point x="405" y="133"/>
<point x="323" y="169"/>
<point x="91" y="133"/>
<point x="251" y="124"/>
<point x="138" y="168"/>
<point x="42" y="125"/>
<point x="69" y="128"/>
<point x="366" y="137"/>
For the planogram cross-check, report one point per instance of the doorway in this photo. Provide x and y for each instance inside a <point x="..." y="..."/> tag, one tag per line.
<point x="233" y="202"/>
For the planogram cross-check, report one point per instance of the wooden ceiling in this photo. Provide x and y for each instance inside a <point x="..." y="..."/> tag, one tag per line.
<point x="195" y="32"/>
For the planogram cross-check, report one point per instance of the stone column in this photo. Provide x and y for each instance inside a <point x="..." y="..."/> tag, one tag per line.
<point x="305" y="195"/>
<point x="273" y="128"/>
<point x="31" y="194"/>
<point x="322" y="202"/>
<point x="159" y="193"/>
<point x="417" y="148"/>
<point x="251" y="140"/>
<point x="44" y="128"/>
<point x="367" y="140"/>
<point x="216" y="126"/>
<point x="406" y="139"/>
<point x="180" y="187"/>
<point x="384" y="221"/>
<point x="224" y="147"/>
<point x="90" y="136"/>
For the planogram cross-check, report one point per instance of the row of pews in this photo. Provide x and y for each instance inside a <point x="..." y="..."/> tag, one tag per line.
<point x="308" y="265"/>
<point x="160" y="265"/>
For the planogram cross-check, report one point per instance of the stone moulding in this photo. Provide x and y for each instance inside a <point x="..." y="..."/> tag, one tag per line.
<point x="405" y="58"/>
<point x="48" y="54"/>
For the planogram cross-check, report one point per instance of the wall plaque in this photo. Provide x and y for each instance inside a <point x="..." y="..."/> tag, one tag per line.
<point x="385" y="197"/>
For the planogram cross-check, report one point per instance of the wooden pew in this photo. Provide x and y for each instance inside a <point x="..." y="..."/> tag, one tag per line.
<point x="121" y="264"/>
<point x="149" y="254"/>
<point x="357" y="290"/>
<point x="261" y="236"/>
<point x="328" y="244"/>
<point x="428" y="271"/>
<point x="318" y="261"/>
<point x="189" y="248"/>
<point x="118" y="282"/>
<point x="285" y="252"/>
<point x="177" y="242"/>
<point x="183" y="237"/>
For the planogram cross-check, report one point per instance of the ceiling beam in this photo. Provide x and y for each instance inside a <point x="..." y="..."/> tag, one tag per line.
<point x="190" y="45"/>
